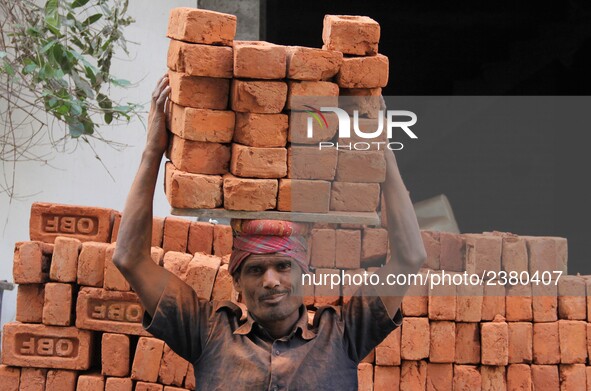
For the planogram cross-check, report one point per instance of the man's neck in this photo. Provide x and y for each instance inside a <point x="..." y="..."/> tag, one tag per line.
<point x="280" y="328"/>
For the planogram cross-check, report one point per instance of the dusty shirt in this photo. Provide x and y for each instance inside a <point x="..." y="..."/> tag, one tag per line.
<point x="231" y="351"/>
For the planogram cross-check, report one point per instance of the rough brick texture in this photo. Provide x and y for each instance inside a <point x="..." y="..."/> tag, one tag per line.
<point x="201" y="26"/>
<point x="259" y="60"/>
<point x="186" y="190"/>
<point x="312" y="64"/>
<point x="354" y="197"/>
<point x="254" y="162"/>
<point x="363" y="72"/>
<point x="29" y="303"/>
<point x="214" y="126"/>
<point x="146" y="362"/>
<point x="261" y="130"/>
<point x="64" y="262"/>
<point x="356" y="35"/>
<point x="267" y="97"/>
<point x="57" y="306"/>
<point x="91" y="263"/>
<point x="198" y="92"/>
<point x="299" y="195"/>
<point x="115" y="355"/>
<point x="199" y="157"/>
<point x="305" y="162"/>
<point x="249" y="194"/>
<point x="200" y="60"/>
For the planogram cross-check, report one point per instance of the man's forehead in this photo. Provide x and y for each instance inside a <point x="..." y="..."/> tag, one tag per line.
<point x="266" y="258"/>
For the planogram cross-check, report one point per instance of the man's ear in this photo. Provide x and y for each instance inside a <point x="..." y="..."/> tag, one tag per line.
<point x="236" y="283"/>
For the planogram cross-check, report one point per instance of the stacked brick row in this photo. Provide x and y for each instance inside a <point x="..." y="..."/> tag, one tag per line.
<point x="78" y="322"/>
<point x="239" y="117"/>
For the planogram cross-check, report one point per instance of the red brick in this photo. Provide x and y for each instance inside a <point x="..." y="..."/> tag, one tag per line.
<point x="363" y="72"/>
<point x="222" y="287"/>
<point x="91" y="264"/>
<point x="305" y="162"/>
<point x="519" y="377"/>
<point x="495" y="343"/>
<point x="109" y="311"/>
<point x="321" y="130"/>
<point x="64" y="262"/>
<point x="416" y="300"/>
<point x="469" y="303"/>
<point x="157" y="231"/>
<point x="414" y="343"/>
<point x="145" y="386"/>
<point x="386" y="378"/>
<point x="303" y="94"/>
<point x="514" y="254"/>
<point x="312" y="64"/>
<point x="116" y="224"/>
<point x="57" y="306"/>
<point x="572" y="377"/>
<point x="186" y="190"/>
<point x="518" y="303"/>
<point x="259" y="60"/>
<point x="249" y="194"/>
<point x="157" y="255"/>
<point x="388" y="351"/>
<point x="222" y="240"/>
<point x="361" y="166"/>
<point x="467" y="343"/>
<point x="572" y="301"/>
<point x="214" y="126"/>
<point x="201" y="273"/>
<point x="493" y="378"/>
<point x="29" y="303"/>
<point x="190" y="378"/>
<point x="253" y="162"/>
<point x="85" y="223"/>
<point x="546" y="345"/>
<point x="200" y="237"/>
<point x="115" y="355"/>
<point x="113" y="279"/>
<point x="439" y="377"/>
<point x="366" y="101"/>
<point x="545" y="302"/>
<point x="433" y="248"/>
<point x="32" y="379"/>
<point x="198" y="92"/>
<point x="348" y="249"/>
<point x="545" y="377"/>
<point x="365" y="377"/>
<point x="483" y="253"/>
<point x="573" y="341"/>
<point x="546" y="254"/>
<point x="323" y="293"/>
<point x="266" y="97"/>
<point x="323" y="253"/>
<point x="261" y="130"/>
<point x="36" y="345"/>
<point x="91" y="382"/>
<point x="173" y="368"/>
<point x="299" y="195"/>
<point x="61" y="380"/>
<point x="466" y="377"/>
<point x="452" y="252"/>
<point x="357" y="35"/>
<point x="177" y="263"/>
<point x="493" y="300"/>
<point x="520" y="342"/>
<point x="588" y="373"/>
<point x="589" y="339"/>
<point x="442" y="301"/>
<point x="171" y="388"/>
<point x="201" y="26"/>
<point x="442" y="342"/>
<point x="146" y="361"/>
<point x="413" y="375"/>
<point x="198" y="157"/>
<point x="29" y="263"/>
<point x="118" y="384"/>
<point x="354" y="197"/>
<point x="10" y="377"/>
<point x="365" y="126"/>
<point x="370" y="358"/>
<point x="176" y="234"/>
<point x="200" y="60"/>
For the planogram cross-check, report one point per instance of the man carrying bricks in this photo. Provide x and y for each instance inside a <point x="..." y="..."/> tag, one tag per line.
<point x="272" y="346"/>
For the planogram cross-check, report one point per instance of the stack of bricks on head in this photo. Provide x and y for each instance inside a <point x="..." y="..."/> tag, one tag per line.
<point x="78" y="322"/>
<point x="239" y="112"/>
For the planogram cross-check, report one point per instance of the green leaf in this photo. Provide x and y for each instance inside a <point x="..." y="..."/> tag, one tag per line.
<point x="52" y="15"/>
<point x="29" y="68"/>
<point x="79" y="3"/>
<point x="76" y="128"/>
<point x="47" y="46"/>
<point x="83" y="85"/>
<point x="92" y="19"/>
<point x="108" y="118"/>
<point x="9" y="69"/>
<point x="75" y="108"/>
<point x="3" y="54"/>
<point x="120" y="82"/>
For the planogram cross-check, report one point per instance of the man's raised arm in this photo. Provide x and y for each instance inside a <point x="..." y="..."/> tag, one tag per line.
<point x="132" y="254"/>
<point x="407" y="252"/>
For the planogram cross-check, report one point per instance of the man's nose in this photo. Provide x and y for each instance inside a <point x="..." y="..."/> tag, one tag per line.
<point x="270" y="278"/>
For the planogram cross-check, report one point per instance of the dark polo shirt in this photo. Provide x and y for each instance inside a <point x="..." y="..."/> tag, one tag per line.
<point x="231" y="351"/>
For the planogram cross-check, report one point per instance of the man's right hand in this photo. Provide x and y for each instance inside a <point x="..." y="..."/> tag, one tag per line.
<point x="157" y="141"/>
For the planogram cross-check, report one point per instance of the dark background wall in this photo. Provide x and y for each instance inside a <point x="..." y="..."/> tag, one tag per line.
<point x="482" y="48"/>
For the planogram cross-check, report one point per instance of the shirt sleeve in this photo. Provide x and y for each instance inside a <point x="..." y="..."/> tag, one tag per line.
<point x="366" y="322"/>
<point x="181" y="319"/>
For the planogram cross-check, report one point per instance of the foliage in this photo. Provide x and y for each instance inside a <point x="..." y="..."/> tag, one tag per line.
<point x="55" y="60"/>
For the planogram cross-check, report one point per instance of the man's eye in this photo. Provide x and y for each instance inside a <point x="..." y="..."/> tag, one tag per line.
<point x="254" y="269"/>
<point x="284" y="266"/>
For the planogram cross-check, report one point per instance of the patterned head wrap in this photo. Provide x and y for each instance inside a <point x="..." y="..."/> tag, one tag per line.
<point x="267" y="237"/>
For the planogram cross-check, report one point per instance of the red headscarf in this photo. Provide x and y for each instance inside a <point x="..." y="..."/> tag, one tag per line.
<point x="267" y="237"/>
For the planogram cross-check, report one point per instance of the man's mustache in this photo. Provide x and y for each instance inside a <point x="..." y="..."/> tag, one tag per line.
<point x="274" y="292"/>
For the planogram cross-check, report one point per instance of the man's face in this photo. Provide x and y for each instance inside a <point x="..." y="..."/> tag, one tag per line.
<point x="270" y="286"/>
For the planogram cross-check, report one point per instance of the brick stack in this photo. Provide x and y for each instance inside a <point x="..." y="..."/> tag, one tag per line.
<point x="77" y="319"/>
<point x="256" y="156"/>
